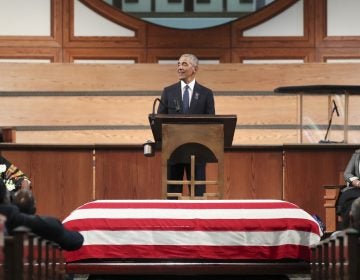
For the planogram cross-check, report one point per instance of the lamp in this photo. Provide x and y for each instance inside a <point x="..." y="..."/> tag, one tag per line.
<point x="149" y="148"/>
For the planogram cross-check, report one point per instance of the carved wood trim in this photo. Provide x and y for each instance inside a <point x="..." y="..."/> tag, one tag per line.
<point x="136" y="54"/>
<point x="241" y="54"/>
<point x="323" y="54"/>
<point x="255" y="18"/>
<point x="100" y="7"/>
<point x="307" y="40"/>
<point x="53" y="54"/>
<point x="162" y="37"/>
<point x="323" y="40"/>
<point x="156" y="54"/>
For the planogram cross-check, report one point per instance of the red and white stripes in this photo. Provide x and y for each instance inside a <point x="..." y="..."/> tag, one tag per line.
<point x="192" y="230"/>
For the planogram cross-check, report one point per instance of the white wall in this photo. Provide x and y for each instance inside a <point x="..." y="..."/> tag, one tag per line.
<point x="25" y="17"/>
<point x="343" y="17"/>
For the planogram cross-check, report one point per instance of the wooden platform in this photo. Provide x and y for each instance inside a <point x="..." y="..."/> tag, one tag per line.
<point x="71" y="103"/>
<point x="189" y="269"/>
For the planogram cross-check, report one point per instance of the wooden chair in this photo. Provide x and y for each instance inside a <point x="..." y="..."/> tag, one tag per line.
<point x="332" y="220"/>
<point x="332" y="193"/>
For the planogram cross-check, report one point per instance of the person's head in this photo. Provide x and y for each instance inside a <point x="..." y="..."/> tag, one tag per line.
<point x="25" y="201"/>
<point x="187" y="67"/>
<point x="355" y="214"/>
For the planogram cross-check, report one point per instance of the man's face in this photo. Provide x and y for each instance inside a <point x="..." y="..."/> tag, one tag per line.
<point x="186" y="71"/>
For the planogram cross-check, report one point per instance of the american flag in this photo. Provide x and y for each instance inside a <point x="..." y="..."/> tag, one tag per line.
<point x="217" y="230"/>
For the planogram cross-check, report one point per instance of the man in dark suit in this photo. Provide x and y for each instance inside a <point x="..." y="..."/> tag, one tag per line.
<point x="186" y="97"/>
<point x="352" y="189"/>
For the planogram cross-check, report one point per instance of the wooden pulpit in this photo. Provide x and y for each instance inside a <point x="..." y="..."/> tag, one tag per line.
<point x="190" y="139"/>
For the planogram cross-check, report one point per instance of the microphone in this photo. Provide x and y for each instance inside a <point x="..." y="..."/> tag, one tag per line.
<point x="176" y="108"/>
<point x="336" y="108"/>
<point x="153" y="111"/>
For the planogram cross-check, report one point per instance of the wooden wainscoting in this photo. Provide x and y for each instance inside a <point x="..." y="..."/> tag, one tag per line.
<point x="67" y="176"/>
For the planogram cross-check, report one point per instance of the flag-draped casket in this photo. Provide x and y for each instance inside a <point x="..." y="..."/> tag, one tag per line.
<point x="187" y="230"/>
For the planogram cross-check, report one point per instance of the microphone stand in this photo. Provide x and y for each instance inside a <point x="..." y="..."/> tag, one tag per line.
<point x="177" y="108"/>
<point x="153" y="111"/>
<point x="328" y="128"/>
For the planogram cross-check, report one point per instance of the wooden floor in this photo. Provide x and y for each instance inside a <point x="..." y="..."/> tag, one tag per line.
<point x="246" y="277"/>
<point x="255" y="270"/>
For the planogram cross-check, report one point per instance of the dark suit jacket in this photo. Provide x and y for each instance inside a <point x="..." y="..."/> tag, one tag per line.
<point x="349" y="193"/>
<point x="202" y="101"/>
<point x="352" y="168"/>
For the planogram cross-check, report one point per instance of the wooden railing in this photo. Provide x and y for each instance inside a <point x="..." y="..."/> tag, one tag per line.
<point x="27" y="256"/>
<point x="337" y="257"/>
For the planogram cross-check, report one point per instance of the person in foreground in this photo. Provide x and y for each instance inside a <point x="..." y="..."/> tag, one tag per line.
<point x="186" y="97"/>
<point x="47" y="227"/>
<point x="25" y="201"/>
<point x="352" y="189"/>
<point x="18" y="185"/>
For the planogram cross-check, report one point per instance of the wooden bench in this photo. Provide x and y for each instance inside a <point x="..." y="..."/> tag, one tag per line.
<point x="27" y="256"/>
<point x="110" y="105"/>
<point x="337" y="257"/>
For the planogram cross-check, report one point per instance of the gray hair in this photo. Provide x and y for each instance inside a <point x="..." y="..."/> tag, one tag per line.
<point x="193" y="59"/>
<point x="355" y="214"/>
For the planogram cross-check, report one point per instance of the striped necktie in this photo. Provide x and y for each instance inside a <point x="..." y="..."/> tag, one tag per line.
<point x="186" y="100"/>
